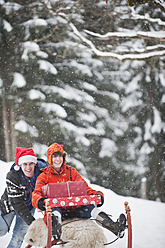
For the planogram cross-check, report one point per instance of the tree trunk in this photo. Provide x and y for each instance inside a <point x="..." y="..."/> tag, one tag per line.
<point x="6" y="131"/>
<point x="8" y="117"/>
<point x="12" y="133"/>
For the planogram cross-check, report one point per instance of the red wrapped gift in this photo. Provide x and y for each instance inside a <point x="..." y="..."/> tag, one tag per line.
<point x="67" y="189"/>
<point x="74" y="201"/>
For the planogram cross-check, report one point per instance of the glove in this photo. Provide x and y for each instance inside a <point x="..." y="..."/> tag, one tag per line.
<point x="41" y="204"/>
<point x="102" y="201"/>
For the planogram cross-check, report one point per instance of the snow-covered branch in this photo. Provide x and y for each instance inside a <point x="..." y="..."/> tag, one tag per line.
<point x="147" y="18"/>
<point x="157" y="35"/>
<point x="158" y="3"/>
<point x="129" y="56"/>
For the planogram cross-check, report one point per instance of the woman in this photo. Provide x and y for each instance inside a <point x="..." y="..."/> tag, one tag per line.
<point x="16" y="199"/>
<point x="60" y="172"/>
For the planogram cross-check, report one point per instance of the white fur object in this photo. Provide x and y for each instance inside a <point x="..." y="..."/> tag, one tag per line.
<point x="83" y="234"/>
<point x="79" y="234"/>
<point x="36" y="235"/>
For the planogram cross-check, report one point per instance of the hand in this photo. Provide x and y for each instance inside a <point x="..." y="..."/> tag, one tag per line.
<point x="102" y="201"/>
<point x="41" y="204"/>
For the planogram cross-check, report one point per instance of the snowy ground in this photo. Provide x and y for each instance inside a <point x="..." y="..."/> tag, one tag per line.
<point x="148" y="218"/>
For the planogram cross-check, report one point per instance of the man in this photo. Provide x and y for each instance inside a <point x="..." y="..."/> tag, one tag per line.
<point x="60" y="172"/>
<point x="16" y="199"/>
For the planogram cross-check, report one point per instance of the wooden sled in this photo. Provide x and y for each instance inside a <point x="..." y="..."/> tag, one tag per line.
<point x="72" y="201"/>
<point x="73" y="224"/>
<point x="69" y="202"/>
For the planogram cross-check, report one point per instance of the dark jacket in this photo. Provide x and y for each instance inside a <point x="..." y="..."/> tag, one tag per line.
<point x="15" y="195"/>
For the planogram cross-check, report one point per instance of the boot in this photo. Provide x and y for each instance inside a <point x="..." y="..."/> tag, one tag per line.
<point x="117" y="227"/>
<point x="56" y="228"/>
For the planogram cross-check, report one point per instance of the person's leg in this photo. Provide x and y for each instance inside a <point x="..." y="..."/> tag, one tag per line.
<point x="56" y="223"/>
<point x="5" y="222"/>
<point x="57" y="212"/>
<point x="83" y="212"/>
<point x="19" y="231"/>
<point x="104" y="220"/>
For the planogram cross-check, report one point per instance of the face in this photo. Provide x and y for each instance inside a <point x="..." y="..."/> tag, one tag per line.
<point x="28" y="169"/>
<point x="57" y="161"/>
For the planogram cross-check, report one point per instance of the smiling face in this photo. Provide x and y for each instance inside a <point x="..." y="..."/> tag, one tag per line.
<point x="57" y="160"/>
<point x="28" y="169"/>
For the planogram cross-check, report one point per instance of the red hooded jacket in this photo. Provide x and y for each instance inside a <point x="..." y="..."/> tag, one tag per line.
<point x="66" y="174"/>
<point x="50" y="175"/>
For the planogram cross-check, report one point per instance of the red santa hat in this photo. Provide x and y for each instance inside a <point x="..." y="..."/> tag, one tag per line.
<point x="24" y="155"/>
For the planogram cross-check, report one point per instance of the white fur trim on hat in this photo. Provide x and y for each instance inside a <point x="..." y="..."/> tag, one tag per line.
<point x="27" y="158"/>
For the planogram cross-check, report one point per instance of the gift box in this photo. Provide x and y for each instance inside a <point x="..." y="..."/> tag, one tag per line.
<point x="66" y="189"/>
<point x="74" y="201"/>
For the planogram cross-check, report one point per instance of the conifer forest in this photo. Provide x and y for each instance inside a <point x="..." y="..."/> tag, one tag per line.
<point x="88" y="74"/>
